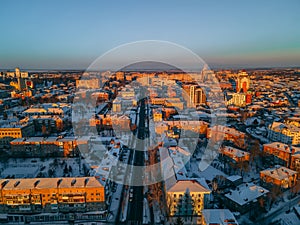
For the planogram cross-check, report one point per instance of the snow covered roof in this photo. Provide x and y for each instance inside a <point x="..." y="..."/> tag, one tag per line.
<point x="246" y="193"/>
<point x="278" y="127"/>
<point x="191" y="185"/>
<point x="227" y="130"/>
<point x="39" y="183"/>
<point x="218" y="216"/>
<point x="234" y="152"/>
<point x="278" y="172"/>
<point x="282" y="147"/>
<point x="234" y="178"/>
<point x="210" y="173"/>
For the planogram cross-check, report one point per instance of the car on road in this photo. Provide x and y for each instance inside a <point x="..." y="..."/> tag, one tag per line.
<point x="131" y="195"/>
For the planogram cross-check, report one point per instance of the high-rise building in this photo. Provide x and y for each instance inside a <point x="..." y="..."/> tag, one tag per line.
<point x="197" y="95"/>
<point x="243" y="82"/>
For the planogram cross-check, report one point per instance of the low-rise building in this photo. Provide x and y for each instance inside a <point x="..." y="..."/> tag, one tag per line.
<point x="187" y="198"/>
<point x="279" y="176"/>
<point x="218" y="216"/>
<point x="286" y="133"/>
<point x="123" y="104"/>
<point x="9" y="131"/>
<point x="87" y="83"/>
<point x="220" y="133"/>
<point x="67" y="194"/>
<point x="190" y="125"/>
<point x="245" y="197"/>
<point x="45" y="147"/>
<point x="52" y="123"/>
<point x="295" y="162"/>
<point x="235" y="154"/>
<point x="280" y="153"/>
<point x="237" y="99"/>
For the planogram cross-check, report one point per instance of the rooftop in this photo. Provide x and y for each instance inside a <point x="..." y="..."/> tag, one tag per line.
<point x="246" y="193"/>
<point x="218" y="216"/>
<point x="234" y="152"/>
<point x="191" y="185"/>
<point x="282" y="147"/>
<point x="278" y="172"/>
<point x="40" y="183"/>
<point x="227" y="130"/>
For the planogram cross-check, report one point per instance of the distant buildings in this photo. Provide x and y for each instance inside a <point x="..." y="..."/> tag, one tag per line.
<point x="123" y="104"/>
<point x="187" y="125"/>
<point x="37" y="195"/>
<point x="84" y="83"/>
<point x="11" y="130"/>
<point x="21" y="82"/>
<point x="168" y="102"/>
<point x="279" y="176"/>
<point x="242" y="96"/>
<point x="61" y="109"/>
<point x="197" y="95"/>
<point x="238" y="99"/>
<point x="220" y="133"/>
<point x="17" y="73"/>
<point x="243" y="82"/>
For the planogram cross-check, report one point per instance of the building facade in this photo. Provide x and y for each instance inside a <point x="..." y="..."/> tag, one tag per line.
<point x="37" y="195"/>
<point x="279" y="176"/>
<point x="186" y="198"/>
<point x="286" y="133"/>
<point x="45" y="147"/>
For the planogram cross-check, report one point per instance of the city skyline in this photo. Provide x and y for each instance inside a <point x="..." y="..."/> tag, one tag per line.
<point x="71" y="35"/>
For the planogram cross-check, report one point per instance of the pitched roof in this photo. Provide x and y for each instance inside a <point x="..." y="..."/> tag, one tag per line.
<point x="278" y="172"/>
<point x="191" y="185"/>
<point x="246" y="193"/>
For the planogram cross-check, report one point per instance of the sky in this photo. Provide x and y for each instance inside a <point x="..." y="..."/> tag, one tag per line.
<point x="71" y="34"/>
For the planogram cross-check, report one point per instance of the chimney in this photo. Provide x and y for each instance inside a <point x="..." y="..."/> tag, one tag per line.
<point x="17" y="183"/>
<point x="86" y="181"/>
<point x="73" y="182"/>
<point x="36" y="183"/>
<point x="59" y="182"/>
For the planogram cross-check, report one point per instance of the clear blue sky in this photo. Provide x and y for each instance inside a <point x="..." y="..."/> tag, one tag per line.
<point x="71" y="34"/>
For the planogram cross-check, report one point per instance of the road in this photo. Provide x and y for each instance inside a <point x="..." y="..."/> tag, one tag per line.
<point x="136" y="203"/>
<point x="267" y="219"/>
<point x="136" y="199"/>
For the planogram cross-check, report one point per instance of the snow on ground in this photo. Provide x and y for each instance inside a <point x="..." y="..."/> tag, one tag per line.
<point x="287" y="219"/>
<point x="209" y="173"/>
<point x="42" y="167"/>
